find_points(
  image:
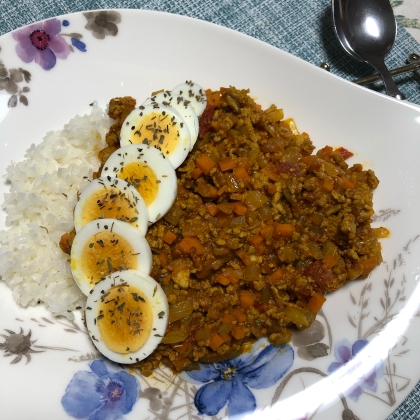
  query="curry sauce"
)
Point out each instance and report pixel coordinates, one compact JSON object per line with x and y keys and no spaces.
{"x":261,"y":229}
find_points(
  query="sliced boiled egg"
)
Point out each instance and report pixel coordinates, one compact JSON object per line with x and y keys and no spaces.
{"x":111,"y":198}
{"x":103,"y":246}
{"x":127,"y":316}
{"x":161,"y":127}
{"x":184,"y":108}
{"x":147,"y":169}
{"x":193,"y":93}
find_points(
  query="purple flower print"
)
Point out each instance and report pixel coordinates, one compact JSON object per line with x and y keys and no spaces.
{"x":41,"y":42}
{"x":344,"y":352}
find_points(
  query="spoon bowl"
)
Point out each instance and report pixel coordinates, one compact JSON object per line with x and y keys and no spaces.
{"x":366,"y":30}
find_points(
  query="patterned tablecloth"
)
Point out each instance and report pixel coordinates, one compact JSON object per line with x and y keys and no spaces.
{"x":300,"y":27}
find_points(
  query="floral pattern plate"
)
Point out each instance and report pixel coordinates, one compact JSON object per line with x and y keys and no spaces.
{"x":359,"y":358}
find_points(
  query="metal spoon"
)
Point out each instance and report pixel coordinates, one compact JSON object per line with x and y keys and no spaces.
{"x":366,"y":30}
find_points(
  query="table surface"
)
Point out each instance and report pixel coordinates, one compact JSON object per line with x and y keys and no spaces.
{"x":302,"y":28}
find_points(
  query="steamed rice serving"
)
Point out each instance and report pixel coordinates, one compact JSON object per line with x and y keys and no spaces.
{"x":39,"y":207}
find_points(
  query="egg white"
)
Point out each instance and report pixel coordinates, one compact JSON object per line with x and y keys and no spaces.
{"x":107,"y":185}
{"x":138,"y":242}
{"x":192,"y":92}
{"x":164,"y":171}
{"x":159,"y":305}
{"x":184,"y":108}
{"x":168,"y":133}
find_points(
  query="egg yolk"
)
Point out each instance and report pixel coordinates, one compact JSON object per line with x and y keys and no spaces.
{"x":158,"y":129}
{"x":105,"y":253}
{"x":124,"y":318}
{"x":143,"y":178}
{"x":111,"y":204}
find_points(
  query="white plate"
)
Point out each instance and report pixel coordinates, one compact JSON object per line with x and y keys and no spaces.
{"x":155,"y":50}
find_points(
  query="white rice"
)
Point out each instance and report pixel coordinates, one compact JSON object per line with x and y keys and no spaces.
{"x":39,"y":207}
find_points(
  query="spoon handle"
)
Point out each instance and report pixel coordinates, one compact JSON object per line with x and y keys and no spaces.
{"x":390,"y":86}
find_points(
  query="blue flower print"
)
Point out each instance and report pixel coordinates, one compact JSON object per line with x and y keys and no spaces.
{"x":100,"y":394}
{"x":81,"y":46}
{"x":229,"y":382}
{"x":344,"y":352}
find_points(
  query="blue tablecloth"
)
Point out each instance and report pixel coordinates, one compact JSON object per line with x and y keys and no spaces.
{"x":300,"y":27}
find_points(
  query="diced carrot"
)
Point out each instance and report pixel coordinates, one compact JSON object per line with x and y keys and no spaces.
{"x":267,"y":232}
{"x":255,"y":240}
{"x":325,"y":152}
{"x":275,"y":277}
{"x":227,"y":164}
{"x":230,"y":273}
{"x":283,"y":230}
{"x":344,"y":152}
{"x":221,"y":190}
{"x":169,"y":237}
{"x":182,"y":348}
{"x":239,"y":208}
{"x":180,"y":363}
{"x":316,"y":301}
{"x":220,"y":278}
{"x":240,"y":315}
{"x":271,"y":189}
{"x":225,"y":337}
{"x":260,"y":249}
{"x":196,"y":173}
{"x":238,"y":332}
{"x":163,"y":258}
{"x":205,"y":163}
{"x":328,"y":184}
{"x":246,"y":259}
{"x":188,"y":243}
{"x":228,"y":318}
{"x":236,"y":196}
{"x":215,"y":341}
{"x":246,"y":299}
{"x":212,"y":191}
{"x":348,"y":183}
{"x":211,"y":208}
{"x":213,"y":97}
{"x":330,"y":260}
{"x":167,"y":279}
{"x":247,"y":182}
{"x":306,"y":160}
{"x":240,"y":173}
{"x":233,"y":278}
{"x":270,"y":175}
